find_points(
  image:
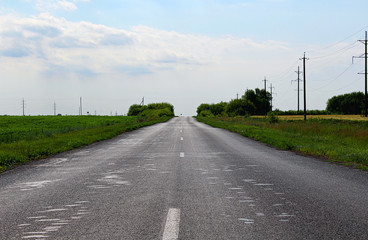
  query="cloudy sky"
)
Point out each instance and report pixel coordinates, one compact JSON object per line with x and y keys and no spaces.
{"x":186,"y":52}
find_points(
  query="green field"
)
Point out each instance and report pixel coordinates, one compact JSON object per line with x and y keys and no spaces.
{"x":26,"y":138}
{"x":340,"y":141}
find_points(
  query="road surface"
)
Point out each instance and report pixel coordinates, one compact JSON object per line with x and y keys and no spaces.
{"x":182,"y":180}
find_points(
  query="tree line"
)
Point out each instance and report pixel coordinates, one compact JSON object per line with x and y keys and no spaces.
{"x":258,"y":102}
{"x":253,"y":102}
{"x":152,"y":110}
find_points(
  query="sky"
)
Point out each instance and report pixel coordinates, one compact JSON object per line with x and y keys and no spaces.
{"x":113,"y":53}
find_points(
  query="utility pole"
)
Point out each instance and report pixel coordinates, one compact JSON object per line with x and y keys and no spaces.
{"x":80,"y":106}
{"x":305,"y":88}
{"x":365,"y":73}
{"x":298,"y":80}
{"x":23,"y":106}
{"x":271,"y":94}
{"x":237,"y":96}
{"x":265,"y":88}
{"x":54,"y":108}
{"x":265,"y":83}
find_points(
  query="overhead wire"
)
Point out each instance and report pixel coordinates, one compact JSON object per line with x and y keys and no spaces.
{"x":334,"y":78}
{"x":344,"y":49}
{"x":348,"y":85}
{"x":285,"y":72}
{"x":329,"y":46}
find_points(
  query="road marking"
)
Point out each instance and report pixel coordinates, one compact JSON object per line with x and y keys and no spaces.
{"x":181,"y":138}
{"x":181,"y":130}
{"x":181,"y":154}
{"x":171,"y":231}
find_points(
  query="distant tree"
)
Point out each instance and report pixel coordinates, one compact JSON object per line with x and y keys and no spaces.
{"x":203,"y":107}
{"x":239,"y":107}
{"x":152,"y":110}
{"x":206,"y":113}
{"x":261,"y":100}
{"x":135,"y":109}
{"x":218,"y":109}
{"x":350,"y":103}
{"x":253,"y":102}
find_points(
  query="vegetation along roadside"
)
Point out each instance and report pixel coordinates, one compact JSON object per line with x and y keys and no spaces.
{"x":27,"y":138}
{"x":340,"y":141}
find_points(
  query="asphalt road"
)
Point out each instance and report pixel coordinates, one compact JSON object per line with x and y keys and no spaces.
{"x":182,"y":180}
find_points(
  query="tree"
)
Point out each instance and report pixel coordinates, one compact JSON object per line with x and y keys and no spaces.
{"x":135,"y":109}
{"x":203,"y":107}
{"x":350,"y":103}
{"x":218,"y":109}
{"x":153,"y":109}
{"x":261,"y":100}
{"x":239,"y":107}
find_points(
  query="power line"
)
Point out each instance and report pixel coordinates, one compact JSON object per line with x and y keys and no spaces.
{"x":329,"y":46}
{"x":287,"y":71}
{"x":346,"y":48}
{"x":365,"y":73}
{"x":334,"y":78}
{"x":344,"y":87}
{"x":298,"y":81}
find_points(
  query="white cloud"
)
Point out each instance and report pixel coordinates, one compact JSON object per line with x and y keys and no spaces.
{"x":54,"y":57}
{"x":68,"y":6}
{"x":49,"y":5}
{"x":103,"y":49}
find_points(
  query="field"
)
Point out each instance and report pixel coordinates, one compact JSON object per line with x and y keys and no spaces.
{"x":26,"y":138}
{"x":335,"y":140}
{"x":339,"y":117}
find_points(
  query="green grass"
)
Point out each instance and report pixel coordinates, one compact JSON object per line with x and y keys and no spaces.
{"x":27,"y":138}
{"x":340,"y":141}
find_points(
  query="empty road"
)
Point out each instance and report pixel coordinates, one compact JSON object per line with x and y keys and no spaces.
{"x":182,"y":180}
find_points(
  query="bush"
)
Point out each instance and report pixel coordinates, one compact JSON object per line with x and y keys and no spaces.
{"x":272,"y":117}
{"x":206,"y":113}
{"x":152,"y":110}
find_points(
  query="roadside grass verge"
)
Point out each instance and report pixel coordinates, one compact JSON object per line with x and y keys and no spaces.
{"x":24,"y":139}
{"x":341,"y":141}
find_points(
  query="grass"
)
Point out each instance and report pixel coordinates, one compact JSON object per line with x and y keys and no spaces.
{"x":28,"y":138}
{"x":341,"y":141}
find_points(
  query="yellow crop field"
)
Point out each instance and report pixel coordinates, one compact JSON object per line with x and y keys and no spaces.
{"x":340,"y":117}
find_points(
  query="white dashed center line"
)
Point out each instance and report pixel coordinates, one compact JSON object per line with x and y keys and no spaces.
{"x":181,"y":138}
{"x":171,"y":231}
{"x":181,"y":154}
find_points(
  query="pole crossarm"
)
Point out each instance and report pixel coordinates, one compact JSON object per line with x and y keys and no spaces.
{"x":364,"y":55}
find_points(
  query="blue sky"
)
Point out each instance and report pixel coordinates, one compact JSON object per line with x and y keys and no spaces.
{"x":113,"y":53}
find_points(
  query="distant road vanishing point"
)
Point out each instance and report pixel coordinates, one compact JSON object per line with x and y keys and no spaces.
{"x":182,"y":180}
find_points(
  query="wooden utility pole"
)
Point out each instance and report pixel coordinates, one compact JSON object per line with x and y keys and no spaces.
{"x":305,"y":88}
